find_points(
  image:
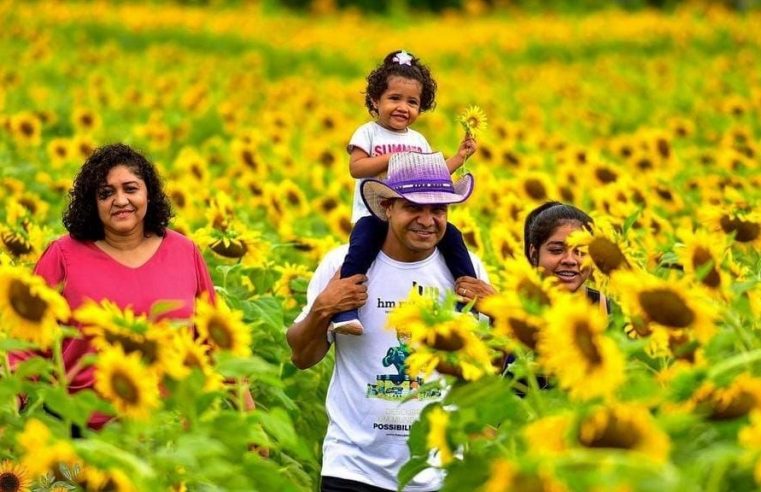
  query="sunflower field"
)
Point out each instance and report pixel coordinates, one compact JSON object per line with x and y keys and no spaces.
{"x":647,"y":119}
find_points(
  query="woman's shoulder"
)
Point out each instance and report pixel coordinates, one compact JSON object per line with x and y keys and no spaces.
{"x":176,"y":240}
{"x":67,"y":243}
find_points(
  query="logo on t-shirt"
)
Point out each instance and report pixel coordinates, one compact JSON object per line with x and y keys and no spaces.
{"x":400,"y":385}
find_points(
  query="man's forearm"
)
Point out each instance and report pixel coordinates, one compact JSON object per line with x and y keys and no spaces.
{"x":308,"y":339}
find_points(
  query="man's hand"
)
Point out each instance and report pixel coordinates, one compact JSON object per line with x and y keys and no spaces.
{"x":308,"y":337}
{"x":342,"y":294}
{"x":469,"y":288}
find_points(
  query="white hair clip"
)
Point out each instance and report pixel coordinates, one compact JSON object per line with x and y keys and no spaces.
{"x":403,"y":58}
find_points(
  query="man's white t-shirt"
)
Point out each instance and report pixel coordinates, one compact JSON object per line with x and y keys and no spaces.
{"x":368,"y":427}
{"x":376,"y":140}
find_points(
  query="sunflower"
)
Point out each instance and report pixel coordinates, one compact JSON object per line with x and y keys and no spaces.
{"x":506,"y":476}
{"x":701,"y":256}
{"x":295,"y":199}
{"x":438,"y":420}
{"x":602,"y":249}
{"x":473,"y":120}
{"x":85,"y":120}
{"x":127,"y":383}
{"x":284,"y":285}
{"x":191,"y":163}
{"x":574,"y":348}
{"x":468,"y":226}
{"x":749,"y":437}
{"x":548,"y":436}
{"x":13,"y":477}
{"x":504,"y":244}
{"x":222,"y":327}
{"x":660,"y":304}
{"x":511,"y":319}
{"x":536,"y":292}
{"x":440,"y":337}
{"x":534,"y":186}
{"x":42,"y":452}
{"x":249,"y":160}
{"x":30,"y":309}
{"x":83,"y":145}
{"x":195,"y":356}
{"x":108,"y":326}
{"x":339,"y":222}
{"x":742,"y":223}
{"x":627,"y":427}
{"x":60,"y":152}
{"x":737,"y":400}
{"x":26,"y":128}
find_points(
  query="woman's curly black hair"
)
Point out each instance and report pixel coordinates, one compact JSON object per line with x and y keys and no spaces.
{"x":377,"y":81}
{"x":543,"y":220}
{"x":81,"y":215}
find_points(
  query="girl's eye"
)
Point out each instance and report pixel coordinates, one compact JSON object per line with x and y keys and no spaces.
{"x":103,"y":194}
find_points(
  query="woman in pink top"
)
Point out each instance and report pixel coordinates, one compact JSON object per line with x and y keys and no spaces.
{"x":119,"y":248}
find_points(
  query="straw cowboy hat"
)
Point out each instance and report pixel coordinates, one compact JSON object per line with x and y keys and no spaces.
{"x":420,"y":178}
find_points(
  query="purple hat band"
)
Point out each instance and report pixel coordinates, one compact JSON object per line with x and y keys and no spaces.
{"x":417,"y":185}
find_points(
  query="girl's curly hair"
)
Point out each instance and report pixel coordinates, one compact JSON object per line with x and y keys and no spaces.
{"x":377,"y":81}
{"x":81,"y":215}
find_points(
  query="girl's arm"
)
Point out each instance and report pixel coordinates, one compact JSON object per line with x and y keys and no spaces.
{"x":467,"y":148}
{"x":361,"y":165}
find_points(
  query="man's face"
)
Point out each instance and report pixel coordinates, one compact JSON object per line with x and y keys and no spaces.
{"x":413,"y":230}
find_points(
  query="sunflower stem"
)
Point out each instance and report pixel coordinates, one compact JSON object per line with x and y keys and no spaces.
{"x":241,"y":395}
{"x":745,"y":358}
{"x":61,"y":369}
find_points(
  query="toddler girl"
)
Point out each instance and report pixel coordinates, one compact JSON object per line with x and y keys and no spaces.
{"x":398,"y":90}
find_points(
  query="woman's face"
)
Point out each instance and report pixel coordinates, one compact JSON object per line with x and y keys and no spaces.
{"x":556,"y":258}
{"x":122,"y":201}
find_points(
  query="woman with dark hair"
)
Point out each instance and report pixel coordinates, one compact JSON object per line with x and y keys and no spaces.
{"x":120,"y":249}
{"x":544,"y":241}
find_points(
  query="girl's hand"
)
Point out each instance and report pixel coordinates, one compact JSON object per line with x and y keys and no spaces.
{"x":467,"y":148}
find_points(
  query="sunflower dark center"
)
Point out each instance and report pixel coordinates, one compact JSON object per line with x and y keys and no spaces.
{"x":148,"y":349}
{"x":293,"y":198}
{"x":345,"y":225}
{"x":470,"y":238}
{"x":585,"y":342}
{"x":9,"y":482}
{"x":125,"y":388}
{"x":506,"y":251}
{"x":329,"y":204}
{"x":16,"y":244}
{"x":745,"y":231}
{"x":248,"y":159}
{"x":666,"y":308}
{"x":530,"y":290}
{"x":25,"y":303}
{"x":27,"y":129}
{"x":524,"y":332}
{"x":605,"y":175}
{"x":234,"y":249}
{"x":535,"y":189}
{"x":449,"y":343}
{"x":616,"y":434}
{"x":219,"y":332}
{"x":700,"y":257}
{"x":606,"y":255}
{"x":327,"y":159}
